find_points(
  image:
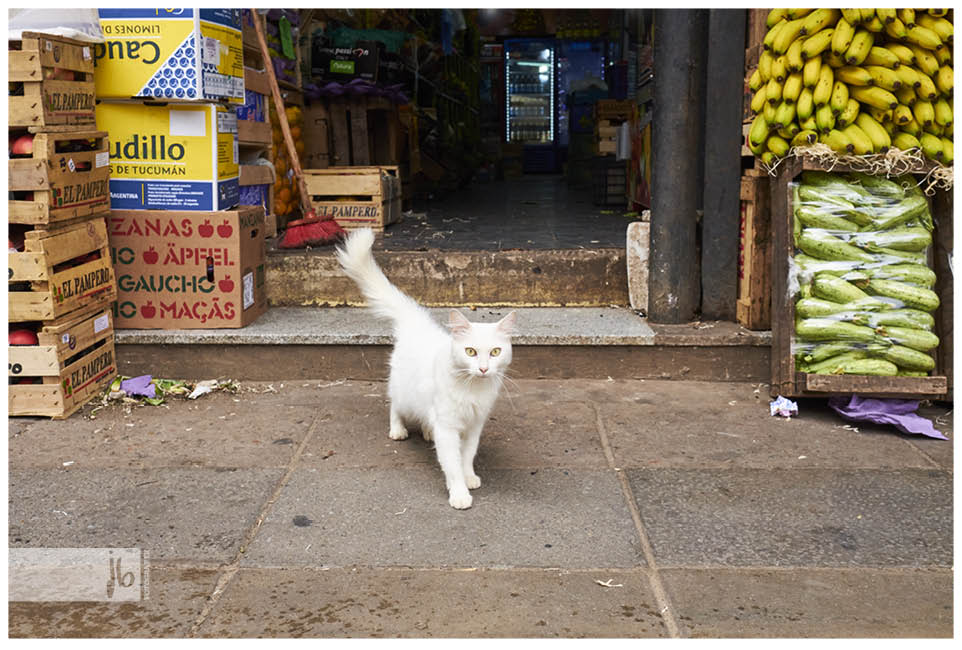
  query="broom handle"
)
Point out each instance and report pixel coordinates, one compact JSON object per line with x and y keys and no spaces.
{"x":306,"y":206}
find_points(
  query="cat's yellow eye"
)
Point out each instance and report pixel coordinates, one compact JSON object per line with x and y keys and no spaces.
{"x":471,"y":352}
{"x":495,"y":352}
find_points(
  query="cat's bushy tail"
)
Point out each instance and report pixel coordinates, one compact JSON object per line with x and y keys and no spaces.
{"x":384,"y":299}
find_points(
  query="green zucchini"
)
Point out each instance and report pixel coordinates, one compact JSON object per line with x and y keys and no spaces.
{"x":909,"y":295}
{"x":829,"y":365}
{"x":879,"y":186}
{"x":920,"y":340}
{"x":867,"y":367}
{"x":826,"y":329}
{"x":902,"y":239}
{"x":899,"y":213}
{"x":917,"y":274}
{"x":914,"y":318}
{"x":908,"y":359}
{"x":835,"y":289}
{"x":825,"y":246}
{"x":892,"y":256}
{"x":825,"y":351}
{"x":815,"y":218}
{"x":817,"y":197}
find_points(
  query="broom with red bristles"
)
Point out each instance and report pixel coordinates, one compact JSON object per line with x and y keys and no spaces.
{"x":312,"y":229}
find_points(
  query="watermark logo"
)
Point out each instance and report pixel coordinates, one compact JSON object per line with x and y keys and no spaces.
{"x":78,"y":574}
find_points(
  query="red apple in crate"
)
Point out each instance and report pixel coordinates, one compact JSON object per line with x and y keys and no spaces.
{"x":226,"y":285}
{"x":224,"y":230}
{"x":151,"y":256}
{"x":205,"y":229}
{"x":61,"y":74}
{"x":148,"y":310}
{"x":22,"y":146}
{"x":22,"y":336}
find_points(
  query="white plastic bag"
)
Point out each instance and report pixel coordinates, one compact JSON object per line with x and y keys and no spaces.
{"x":80,"y":24}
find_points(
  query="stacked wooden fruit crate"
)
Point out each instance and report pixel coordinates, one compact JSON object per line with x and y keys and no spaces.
{"x":60,"y":275}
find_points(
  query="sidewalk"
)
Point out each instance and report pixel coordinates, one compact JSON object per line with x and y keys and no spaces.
{"x":608,"y":509}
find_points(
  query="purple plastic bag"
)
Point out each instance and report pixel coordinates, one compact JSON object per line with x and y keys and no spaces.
{"x":899,"y":412}
{"x":139,"y":386}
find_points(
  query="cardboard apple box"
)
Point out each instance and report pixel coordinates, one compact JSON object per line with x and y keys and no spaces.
{"x":188,"y":269}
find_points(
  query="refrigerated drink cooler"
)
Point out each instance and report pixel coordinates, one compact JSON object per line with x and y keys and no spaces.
{"x":531,"y":117}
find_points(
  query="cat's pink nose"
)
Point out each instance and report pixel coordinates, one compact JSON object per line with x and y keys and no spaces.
{"x":483,"y":370}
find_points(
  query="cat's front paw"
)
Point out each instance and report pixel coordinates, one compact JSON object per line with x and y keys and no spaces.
{"x":398,"y":433}
{"x":473,"y":481}
{"x":460,"y":500}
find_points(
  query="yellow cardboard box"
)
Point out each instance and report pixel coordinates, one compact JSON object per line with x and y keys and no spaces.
{"x":171,"y":156}
{"x":173,"y":54}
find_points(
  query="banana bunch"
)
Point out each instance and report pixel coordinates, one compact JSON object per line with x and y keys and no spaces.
{"x":858,"y":80}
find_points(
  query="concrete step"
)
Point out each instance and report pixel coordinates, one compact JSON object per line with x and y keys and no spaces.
{"x":574,"y":277}
{"x":552,"y":342}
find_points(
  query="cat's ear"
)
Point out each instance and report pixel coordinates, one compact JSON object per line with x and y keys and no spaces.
{"x":457,"y":323}
{"x":506,"y":324}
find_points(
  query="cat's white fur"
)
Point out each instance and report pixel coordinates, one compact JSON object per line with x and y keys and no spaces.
{"x":435,"y":384}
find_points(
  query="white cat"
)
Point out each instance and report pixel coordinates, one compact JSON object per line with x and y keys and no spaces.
{"x":444,"y":383}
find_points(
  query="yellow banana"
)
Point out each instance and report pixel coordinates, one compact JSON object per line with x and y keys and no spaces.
{"x":944,"y":80}
{"x":909,"y":76}
{"x":768,"y":112}
{"x":855,"y":75}
{"x":881,"y":140}
{"x":837,"y":141}
{"x":884,"y":77}
{"x":758,"y":100}
{"x":804,"y":105}
{"x":832,"y":60}
{"x":755,"y":81}
{"x":943,"y":112}
{"x":798,"y":13}
{"x":906,"y":95}
{"x":902,"y":114}
{"x":777,"y":145}
{"x":940,"y":26}
{"x":773,"y":92}
{"x":907,"y":16}
{"x":947,"y":131}
{"x":784,"y":115}
{"x":874,"y":96}
{"x":789,"y":130}
{"x":788,"y":33}
{"x":848,"y":115}
{"x":883,"y":57}
{"x":932,"y":146}
{"x":842,"y":36}
{"x":867,"y":14}
{"x":816,"y":44}
{"x":924,"y":113}
{"x":938,"y":12}
{"x":804,"y":138}
{"x":775,"y":16}
{"x":779,"y":71}
{"x":875,"y":25}
{"x":810,"y":71}
{"x":852,"y":16}
{"x":758,"y":134}
{"x":793,"y":58}
{"x":912,"y":127}
{"x":823,"y":87}
{"x":890,"y":128}
{"x":905,"y":55}
{"x":839,"y":98}
{"x":881,"y":116}
{"x":820,"y":19}
{"x":934,"y":129}
{"x":809,"y":124}
{"x":825,"y":119}
{"x":927,"y":88}
{"x":861,"y":45}
{"x":887,"y":15}
{"x":765,"y":61}
{"x":896,"y":29}
{"x":944,"y":55}
{"x":769,"y":159}
{"x":905,"y":141}
{"x":947,"y":151}
{"x":861,"y":143}
{"x":792,"y":88}
{"x":925,"y":60}
{"x":924,"y":37}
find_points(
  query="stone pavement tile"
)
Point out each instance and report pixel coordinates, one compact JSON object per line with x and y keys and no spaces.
{"x":525,"y":434}
{"x":216,"y":430}
{"x":810,"y":518}
{"x":201,"y":515}
{"x":828,"y":603}
{"x":366,"y":602}
{"x":670,"y":425}
{"x":401,"y":517}
{"x":939,"y":451}
{"x":175,"y":600}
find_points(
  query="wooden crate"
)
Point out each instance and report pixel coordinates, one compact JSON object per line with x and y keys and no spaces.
{"x":51,"y":278}
{"x":611,"y":109}
{"x":358,"y":197}
{"x":65,"y":185}
{"x":753,"y":309}
{"x":606,"y":136}
{"x":754,"y":35}
{"x":253,"y":132}
{"x":47,"y":101}
{"x":785,"y":380}
{"x":74,"y":360}
{"x":365,"y":131}
{"x":261,"y":175}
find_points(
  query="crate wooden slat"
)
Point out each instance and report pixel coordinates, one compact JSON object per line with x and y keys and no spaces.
{"x":56,"y":292}
{"x":357,"y":196}
{"x":253,"y":132}
{"x":65,"y":185}
{"x":785,"y":380}
{"x":753,"y":308}
{"x":46,"y":101}
{"x":75,"y":359}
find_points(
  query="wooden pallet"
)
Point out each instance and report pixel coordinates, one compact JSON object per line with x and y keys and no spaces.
{"x":365,"y":130}
{"x":65,"y":184}
{"x":73,"y":361}
{"x":753,"y":307}
{"x":785,"y":380}
{"x":46,"y":101}
{"x":51,"y":278}
{"x":358,"y":197}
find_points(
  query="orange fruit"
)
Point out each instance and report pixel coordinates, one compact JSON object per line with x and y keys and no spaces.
{"x":295,"y":132}
{"x":284,"y":195}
